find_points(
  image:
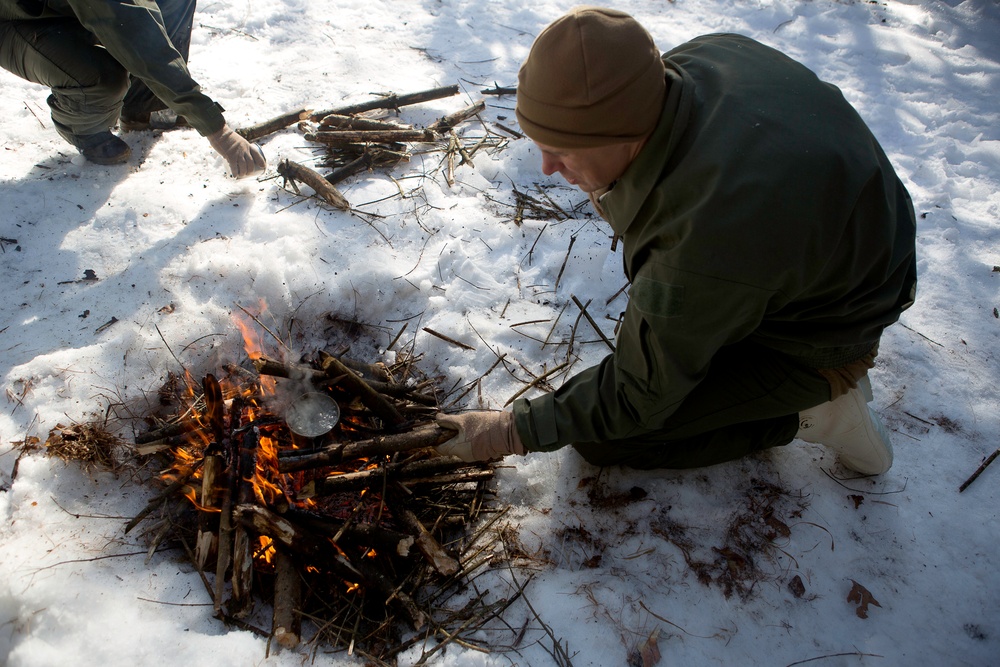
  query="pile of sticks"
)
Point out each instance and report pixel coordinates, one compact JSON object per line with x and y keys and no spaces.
{"x":356,"y":142}
{"x":360,"y":531}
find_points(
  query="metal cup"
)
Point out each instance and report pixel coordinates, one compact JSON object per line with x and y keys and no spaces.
{"x":312,"y":415}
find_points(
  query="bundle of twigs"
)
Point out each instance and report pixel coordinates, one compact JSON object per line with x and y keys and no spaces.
{"x":363,"y":532}
{"x":354,"y":141}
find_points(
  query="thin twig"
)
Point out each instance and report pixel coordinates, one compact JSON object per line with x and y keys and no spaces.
{"x":534,"y":383}
{"x":263,"y":326}
{"x":590,"y":319}
{"x":836,"y":655}
{"x":562,"y":268}
{"x":979,"y":470}
{"x":183,"y":368}
{"x":446,"y":339}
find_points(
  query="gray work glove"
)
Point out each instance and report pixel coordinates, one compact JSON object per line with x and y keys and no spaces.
{"x":482,"y":435}
{"x":245,"y":159}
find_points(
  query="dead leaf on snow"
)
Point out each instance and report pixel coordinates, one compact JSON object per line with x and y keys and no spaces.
{"x":860,"y":596}
{"x":648,"y":654}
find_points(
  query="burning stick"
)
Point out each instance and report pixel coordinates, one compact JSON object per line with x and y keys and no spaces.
{"x":242,"y":550}
{"x":207,"y":540}
{"x":401,"y":472}
{"x":280,"y":529}
{"x":430,"y":435}
{"x":384,"y":539}
{"x":293,"y":171}
{"x":320,"y":378}
{"x":371,"y":398}
{"x":290,"y":535}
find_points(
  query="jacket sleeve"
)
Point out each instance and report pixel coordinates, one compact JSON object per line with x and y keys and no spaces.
{"x":132,"y":31}
{"x":674,"y":324}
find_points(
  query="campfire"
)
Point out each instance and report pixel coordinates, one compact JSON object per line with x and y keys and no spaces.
{"x":311,"y":490}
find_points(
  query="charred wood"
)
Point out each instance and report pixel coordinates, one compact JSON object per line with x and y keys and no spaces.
{"x":242,"y":579}
{"x":374,"y":401}
{"x":393,"y":472}
{"x":430,"y":435}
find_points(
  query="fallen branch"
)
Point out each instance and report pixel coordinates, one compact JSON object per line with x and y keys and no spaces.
{"x":425,"y":542}
{"x":348,"y":137}
{"x":499,"y":90}
{"x":446,"y":339}
{"x":590,"y":319}
{"x":451,"y":120}
{"x":538,"y":380}
{"x":255,"y":132}
{"x":340,"y":122}
{"x":371,"y":158}
{"x":979,"y":470}
{"x":293,"y":171}
{"x":390,"y":101}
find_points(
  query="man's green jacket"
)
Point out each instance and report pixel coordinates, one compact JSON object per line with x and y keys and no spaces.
{"x":761,"y":209}
{"x":132,"y":32}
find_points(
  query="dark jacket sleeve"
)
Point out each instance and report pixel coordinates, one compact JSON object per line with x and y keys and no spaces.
{"x":132,"y":31}
{"x":674,"y":324}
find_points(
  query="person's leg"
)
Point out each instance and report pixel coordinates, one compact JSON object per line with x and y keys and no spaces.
{"x":178,"y":17}
{"x":87,"y":84}
{"x":749,"y":401}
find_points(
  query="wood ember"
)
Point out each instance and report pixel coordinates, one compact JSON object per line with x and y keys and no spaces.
{"x":334,"y":538}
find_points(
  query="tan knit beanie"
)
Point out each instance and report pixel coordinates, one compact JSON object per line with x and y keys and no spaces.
{"x":593,"y":78}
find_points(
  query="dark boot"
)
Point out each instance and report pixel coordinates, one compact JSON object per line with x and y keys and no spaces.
{"x":157,"y":120}
{"x":102,"y":148}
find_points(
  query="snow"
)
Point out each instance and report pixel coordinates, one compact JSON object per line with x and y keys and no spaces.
{"x":178,"y":247}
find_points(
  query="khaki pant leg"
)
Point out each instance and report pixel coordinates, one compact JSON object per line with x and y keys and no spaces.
{"x":87,"y":84}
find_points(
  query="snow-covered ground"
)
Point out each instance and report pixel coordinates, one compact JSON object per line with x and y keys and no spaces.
{"x":177,"y":247}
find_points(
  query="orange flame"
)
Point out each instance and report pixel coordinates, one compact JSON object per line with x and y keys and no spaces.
{"x":254,"y":347}
{"x":266,"y":550}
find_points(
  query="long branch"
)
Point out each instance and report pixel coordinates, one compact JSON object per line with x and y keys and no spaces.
{"x":391,"y":101}
{"x":430,"y":435}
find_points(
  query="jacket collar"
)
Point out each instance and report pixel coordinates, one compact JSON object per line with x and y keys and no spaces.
{"x":622,"y":202}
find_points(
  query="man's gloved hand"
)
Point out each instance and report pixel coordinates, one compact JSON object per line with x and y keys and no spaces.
{"x":245,"y":159}
{"x":482,"y":435}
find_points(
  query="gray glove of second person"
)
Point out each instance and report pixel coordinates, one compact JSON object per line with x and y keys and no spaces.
{"x":482,"y":435}
{"x":244,"y":158}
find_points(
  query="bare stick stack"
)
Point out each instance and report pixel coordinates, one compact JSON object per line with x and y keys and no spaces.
{"x":355,"y":143}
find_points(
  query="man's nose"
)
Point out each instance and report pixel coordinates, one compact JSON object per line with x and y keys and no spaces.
{"x":550,"y":165}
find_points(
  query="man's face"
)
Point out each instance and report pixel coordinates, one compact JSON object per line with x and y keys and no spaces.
{"x":590,"y":169}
